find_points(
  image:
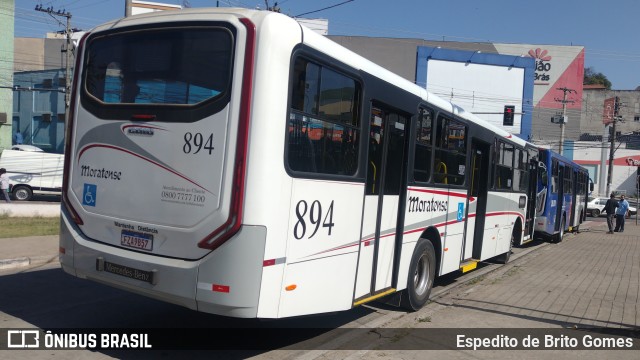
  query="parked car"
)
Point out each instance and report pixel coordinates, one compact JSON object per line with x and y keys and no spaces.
{"x":26,"y":148}
{"x":595,"y":207}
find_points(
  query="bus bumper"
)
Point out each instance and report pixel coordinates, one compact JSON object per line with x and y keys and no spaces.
{"x":224,"y":282}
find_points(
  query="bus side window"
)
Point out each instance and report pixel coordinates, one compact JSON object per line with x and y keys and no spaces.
{"x":323,"y":120}
{"x":422,"y":158}
{"x":450,"y":152}
{"x":504,"y":166}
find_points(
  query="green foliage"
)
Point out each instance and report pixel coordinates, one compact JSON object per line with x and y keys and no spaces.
{"x":591,"y":77}
{"x":13,"y":227}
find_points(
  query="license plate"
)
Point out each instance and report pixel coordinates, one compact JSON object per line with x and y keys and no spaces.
{"x":136,"y":240}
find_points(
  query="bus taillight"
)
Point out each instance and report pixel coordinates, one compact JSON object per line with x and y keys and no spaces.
{"x":233,"y":223}
{"x":68,"y":138}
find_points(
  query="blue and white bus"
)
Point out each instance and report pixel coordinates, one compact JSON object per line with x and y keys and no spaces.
{"x":562,"y":195}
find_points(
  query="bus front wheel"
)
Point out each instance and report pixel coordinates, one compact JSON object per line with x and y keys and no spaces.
{"x":22,"y":193}
{"x":421,"y":274}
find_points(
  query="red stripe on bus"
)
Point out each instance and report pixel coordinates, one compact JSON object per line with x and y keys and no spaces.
{"x":141,"y":157}
{"x":367,"y":241}
{"x":440,"y":192}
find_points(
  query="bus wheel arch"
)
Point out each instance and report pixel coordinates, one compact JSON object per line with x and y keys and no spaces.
{"x":433,"y":235}
{"x":516,"y":239}
{"x":516,"y":234}
{"x":420,"y":277}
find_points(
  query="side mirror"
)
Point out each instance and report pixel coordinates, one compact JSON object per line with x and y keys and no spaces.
{"x":591,"y":186}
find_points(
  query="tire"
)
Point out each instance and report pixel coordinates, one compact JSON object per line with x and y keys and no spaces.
{"x":595,"y":212}
{"x":22,"y":193}
{"x":422,"y":270}
{"x":560,"y":235}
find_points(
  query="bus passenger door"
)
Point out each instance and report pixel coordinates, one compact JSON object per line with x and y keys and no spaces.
{"x":532,"y":197}
{"x":574,"y":197}
{"x":560,"y":197}
{"x":384,"y":202}
{"x":477,"y":206}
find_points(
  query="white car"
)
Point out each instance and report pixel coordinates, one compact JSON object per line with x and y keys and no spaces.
{"x":595,"y":207}
{"x":26,"y":148}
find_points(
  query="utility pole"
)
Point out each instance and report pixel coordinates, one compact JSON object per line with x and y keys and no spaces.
{"x":564,"y":102}
{"x":68,"y":50}
{"x":273,"y":8}
{"x":612,"y":137}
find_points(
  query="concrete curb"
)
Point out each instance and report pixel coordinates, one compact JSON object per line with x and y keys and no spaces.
{"x":6,"y":264}
{"x":472,"y":275}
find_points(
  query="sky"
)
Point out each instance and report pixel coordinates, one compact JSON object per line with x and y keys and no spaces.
{"x":608,"y":29}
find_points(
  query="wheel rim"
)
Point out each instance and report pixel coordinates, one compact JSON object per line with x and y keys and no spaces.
{"x":21,"y":194}
{"x":421,"y":276}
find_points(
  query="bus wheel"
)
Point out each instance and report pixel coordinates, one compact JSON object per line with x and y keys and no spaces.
{"x":22,"y":193}
{"x":421,"y":274}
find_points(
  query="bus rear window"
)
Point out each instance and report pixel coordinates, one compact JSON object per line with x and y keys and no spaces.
{"x":178,"y":66}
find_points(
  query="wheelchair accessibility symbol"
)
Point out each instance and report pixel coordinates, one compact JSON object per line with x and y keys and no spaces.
{"x":460,"y":211}
{"x":89,"y":194}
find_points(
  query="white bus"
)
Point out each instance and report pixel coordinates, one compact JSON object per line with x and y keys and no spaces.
{"x":234,"y":162}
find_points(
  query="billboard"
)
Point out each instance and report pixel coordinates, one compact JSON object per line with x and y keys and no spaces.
{"x":482,"y":83}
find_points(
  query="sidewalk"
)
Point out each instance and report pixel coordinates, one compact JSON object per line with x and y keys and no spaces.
{"x":32,"y":250}
{"x":590,"y":279}
{"x":19,"y":209}
{"x":28,"y":251}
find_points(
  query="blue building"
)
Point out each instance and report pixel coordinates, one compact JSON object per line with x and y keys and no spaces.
{"x":39,"y":109}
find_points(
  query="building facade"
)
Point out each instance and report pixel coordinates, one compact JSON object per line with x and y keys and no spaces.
{"x":557,"y":70}
{"x":6,"y":73}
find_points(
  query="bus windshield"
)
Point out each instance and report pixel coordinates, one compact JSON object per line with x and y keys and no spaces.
{"x":169,"y":66}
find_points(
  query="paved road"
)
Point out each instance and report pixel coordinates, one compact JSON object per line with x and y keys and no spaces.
{"x":590,"y":279}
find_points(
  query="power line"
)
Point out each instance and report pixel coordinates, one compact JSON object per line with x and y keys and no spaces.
{"x":328,"y":7}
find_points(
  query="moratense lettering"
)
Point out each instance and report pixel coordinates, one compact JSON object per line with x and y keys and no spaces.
{"x":87,"y":171}
{"x":418,"y":205}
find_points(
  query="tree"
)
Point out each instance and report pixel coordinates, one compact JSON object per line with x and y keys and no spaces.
{"x":591,"y":77}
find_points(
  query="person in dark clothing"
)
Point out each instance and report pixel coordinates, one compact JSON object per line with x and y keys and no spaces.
{"x":610,"y":208}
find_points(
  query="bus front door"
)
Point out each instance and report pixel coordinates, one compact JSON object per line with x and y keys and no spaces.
{"x":384,"y":200}
{"x":477,"y":207}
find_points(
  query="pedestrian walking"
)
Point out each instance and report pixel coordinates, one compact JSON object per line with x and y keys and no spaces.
{"x":4,"y":184}
{"x":621,"y":213}
{"x":610,"y":208}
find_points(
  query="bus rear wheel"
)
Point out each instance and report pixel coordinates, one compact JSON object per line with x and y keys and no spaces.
{"x":421,"y":274}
